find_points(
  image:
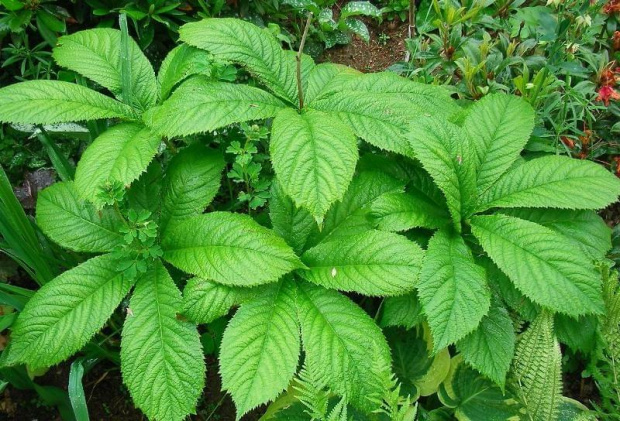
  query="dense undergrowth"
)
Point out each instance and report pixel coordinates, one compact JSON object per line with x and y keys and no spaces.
{"x":350,"y":246}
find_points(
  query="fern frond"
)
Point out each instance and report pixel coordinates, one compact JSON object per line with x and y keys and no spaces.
{"x":311,"y":391}
{"x":537,"y":369}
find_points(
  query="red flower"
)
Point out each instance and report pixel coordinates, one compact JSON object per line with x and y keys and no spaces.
{"x":607,"y":93}
{"x":612,"y":6}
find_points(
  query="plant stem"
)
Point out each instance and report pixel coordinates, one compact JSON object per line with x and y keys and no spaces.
{"x":411,"y":27}
{"x":298,"y":57}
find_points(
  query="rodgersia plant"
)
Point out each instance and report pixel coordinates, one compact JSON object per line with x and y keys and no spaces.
{"x":141,"y":215}
{"x":494,"y":216}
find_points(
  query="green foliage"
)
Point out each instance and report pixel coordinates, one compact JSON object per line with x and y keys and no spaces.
{"x":537,"y":370}
{"x":453,"y":234}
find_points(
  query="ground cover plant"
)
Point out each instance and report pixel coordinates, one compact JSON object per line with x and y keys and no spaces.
{"x":408,"y":261}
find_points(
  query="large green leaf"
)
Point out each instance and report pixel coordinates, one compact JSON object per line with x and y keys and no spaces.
{"x":403,"y":310}
{"x":75,"y":224}
{"x":145,"y":192}
{"x":386,"y":87}
{"x":192,"y":180}
{"x":47,"y":102}
{"x":445,"y":152}
{"x":537,"y":370}
{"x":499,"y":126}
{"x":228,"y":248}
{"x":181,"y":63}
{"x":161,"y":356}
{"x":201,"y":105}
{"x":290,"y":222}
{"x":205,"y":301}
{"x":541,"y":263}
{"x":553,"y":182}
{"x":96,"y":54}
{"x":582,"y":226}
{"x":326,"y":77}
{"x":350,"y":216}
{"x":380,"y":123}
{"x":250,"y":46}
{"x":260,"y":348}
{"x":314,"y":157}
{"x":341,"y":342}
{"x":475,"y":398}
{"x":119,"y":155}
{"x":490,"y":348}
{"x":403,"y":211}
{"x":452,"y":289}
{"x":66,"y":312}
{"x":372,"y":263}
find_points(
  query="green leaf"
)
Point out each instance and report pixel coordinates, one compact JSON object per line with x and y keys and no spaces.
{"x":372,"y":263}
{"x":404,"y":211}
{"x":447,"y":156}
{"x":324,"y":78}
{"x":192,"y":180}
{"x":201,"y":105}
{"x":314,"y":157}
{"x":180,"y":63}
{"x":553,"y":182}
{"x":341,"y":342}
{"x":96,"y":54}
{"x":250,"y":46}
{"x":403,"y":310}
{"x":205,"y":301}
{"x":228,"y":248}
{"x":260,"y":348}
{"x":452,"y":289}
{"x":145,"y":192}
{"x":584,"y":227}
{"x":120,"y":154}
{"x":350,"y":216}
{"x":537,"y":370}
{"x":48,"y":102}
{"x":499,"y":126}
{"x":75,"y":224}
{"x":380,"y":123}
{"x":475,"y":398}
{"x":161,"y":356}
{"x":580,"y":334}
{"x":357,"y":8}
{"x":66,"y":312}
{"x":541,"y":264}
{"x":490,"y":348}
{"x":418,"y":372}
{"x":291,"y":223}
